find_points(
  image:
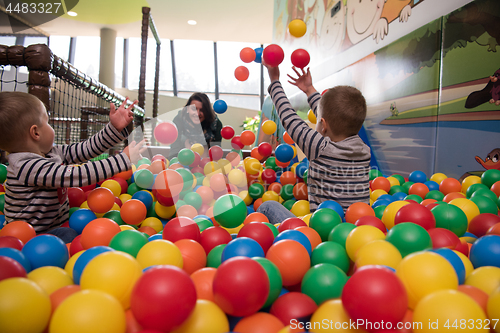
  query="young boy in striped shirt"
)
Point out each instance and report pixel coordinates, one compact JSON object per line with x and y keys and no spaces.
{"x":39,"y":172}
{"x":339,"y":161}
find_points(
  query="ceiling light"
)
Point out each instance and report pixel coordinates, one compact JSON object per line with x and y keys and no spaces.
{"x":72,"y":13}
{"x":192,"y":22}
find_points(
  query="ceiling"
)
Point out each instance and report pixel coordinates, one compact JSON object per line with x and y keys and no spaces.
{"x":248,"y":21}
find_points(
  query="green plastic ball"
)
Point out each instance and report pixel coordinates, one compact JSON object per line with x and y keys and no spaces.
{"x":275,"y":280}
{"x":144,"y":160}
{"x":408,"y":238}
{"x":414,"y":197}
{"x":330,"y":253}
{"x":187,"y":177}
{"x":273,"y":228}
{"x":214,"y":258}
{"x":490,"y":177}
{"x":271,"y":163}
{"x":340,"y":232}
{"x":115,"y":216}
{"x":374,"y":173}
{"x":143,"y":178}
{"x":133,"y":188}
{"x":400,"y":178}
{"x":186,"y":156}
{"x":323,"y":282}
{"x":396,"y":189}
{"x":287,"y":192}
{"x":203,"y":223}
{"x":256,"y":190}
{"x":199,"y":178}
{"x":406,"y":186}
{"x":129,"y":241}
{"x":485,"y":193}
{"x":379,"y":211}
{"x":230,"y":211}
{"x":72,"y":210}
{"x":435,"y":194}
{"x":151,"y":211}
{"x":323,"y":221}
{"x":473,"y":188}
{"x":305,"y":176}
{"x":450,"y":217}
{"x":485,"y":204}
{"x":289,"y":203}
{"x":3,"y":173}
{"x":193,"y":199}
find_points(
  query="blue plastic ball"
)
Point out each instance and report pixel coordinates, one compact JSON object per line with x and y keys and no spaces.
{"x":79,"y":219}
{"x":258,"y":55}
{"x":417,"y":176}
{"x":300,"y":169}
{"x":455,"y":261}
{"x":386,"y":197}
{"x":155,"y":237}
{"x":46,"y":250}
{"x":333,"y":205}
{"x":17,"y":256}
{"x":486,"y":251}
{"x":381,"y":202}
{"x":296,"y":236}
{"x":145,"y":197}
{"x":242,"y":246}
{"x":432,"y":185}
{"x":85,"y":258}
{"x":220,"y":106}
{"x":399,"y":196}
{"x":284,"y":153}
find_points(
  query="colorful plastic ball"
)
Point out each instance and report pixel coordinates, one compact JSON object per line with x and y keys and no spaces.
{"x":143,"y":178}
{"x":473,"y":188}
{"x":424,"y":273}
{"x":409,"y":238}
{"x":381,"y":183}
{"x":220,"y":107}
{"x":293,"y":306}
{"x":128,"y":241}
{"x":203,"y":281}
{"x":240,"y":286}
{"x":360,"y":236}
{"x":417,"y":176}
{"x":448,"y":306}
{"x":450,"y":185}
{"x":493,"y":307}
{"x":84,"y":258}
{"x":485,"y":204}
{"x":297,"y":28}
{"x":3,"y":173}
{"x":50,"y":278}
{"x":296,"y":236}
{"x":258,"y":232}
{"x":193,"y":255}
{"x":378,"y":252}
{"x":181,"y":228}
{"x":165,"y":132}
{"x":79,"y":219}
{"x":230,"y":211}
{"x":357,"y":210}
{"x":241,"y":73}
{"x":443,"y":238}
{"x":291,"y":223}
{"x":419,"y":189}
{"x":300,"y":208}
{"x":18,"y":256}
{"x":159,"y":252}
{"x":227,"y":132}
{"x":12,"y":242}
{"x":450,"y":217}
{"x":269,"y":127}
{"x":291,"y":258}
{"x":323,"y":282}
{"x":417,"y":214}
{"x":330,"y":253}
{"x":479,"y":296}
{"x":435,"y":194}
{"x":169,"y":183}
{"x":213,"y":236}
{"x":480,"y":224}
{"x":486,"y":251}
{"x":288,"y":177}
{"x":340,"y":232}
{"x":133,"y":212}
{"x":485,"y":278}
{"x":455,"y":261}
{"x":206,"y":317}
{"x":284,"y":153}
{"x":236,"y":143}
{"x":495,"y":188}
{"x":332,"y":204}
{"x":467,"y":206}
{"x":19,"y":229}
{"x":163,"y":298}
{"x":390,"y":213}
{"x":323,"y":220}
{"x":489,"y":177}
{"x":10,"y":268}
{"x":19,"y":297}
{"x":247,"y":54}
{"x":259,"y":322}
{"x":99,"y":232}
{"x":247,"y":138}
{"x":275,"y":280}
{"x":244,"y":247}
{"x":186,"y":156}
{"x":273,"y":55}
{"x":300,"y":58}
{"x":46,"y":250}
{"x":215,"y":255}
{"x":76,"y":196}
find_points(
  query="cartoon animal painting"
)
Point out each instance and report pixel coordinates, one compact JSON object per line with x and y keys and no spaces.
{"x":492,"y":161}
{"x":490,"y":93}
{"x":333,"y":27}
{"x":394,"y":109}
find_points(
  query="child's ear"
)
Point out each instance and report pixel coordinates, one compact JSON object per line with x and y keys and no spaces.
{"x":34,"y":133}
{"x":324,"y":126}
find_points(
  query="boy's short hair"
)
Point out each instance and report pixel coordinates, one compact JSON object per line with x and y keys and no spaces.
{"x":344,"y":109}
{"x":18,"y":112}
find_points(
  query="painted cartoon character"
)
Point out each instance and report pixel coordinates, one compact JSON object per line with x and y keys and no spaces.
{"x":333,"y":27}
{"x":394,"y":9}
{"x":364,"y":19}
{"x":394,"y":109}
{"x":492,"y":161}
{"x":314,"y":13}
{"x":490,"y":93}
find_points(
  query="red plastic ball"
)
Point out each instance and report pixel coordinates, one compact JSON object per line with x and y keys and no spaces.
{"x":291,"y":223}
{"x":373,"y":221}
{"x":181,"y":228}
{"x":133,"y":212}
{"x":101,"y":200}
{"x":75,"y":246}
{"x":215,"y":153}
{"x":480,"y":224}
{"x":375,"y":294}
{"x":99,"y":232}
{"x":10,"y":268}
{"x":293,"y":305}
{"x":76,"y":196}
{"x":417,"y":214}
{"x":259,"y":232}
{"x":265,"y":149}
{"x":273,"y":55}
{"x":213,"y":236}
{"x":163,"y":298}
{"x":240,"y":286}
{"x":12,"y":242}
{"x":236,"y":142}
{"x":123,"y":184}
{"x":165,"y":201}
{"x":166,"y":132}
{"x":268,"y":176}
{"x":443,"y":238}
{"x":241,"y":73}
{"x":247,"y":54}
{"x":300,"y":58}
{"x":227,"y":132}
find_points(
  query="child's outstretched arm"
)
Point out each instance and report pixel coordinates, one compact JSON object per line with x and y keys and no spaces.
{"x":134,"y":151}
{"x":121,"y":117}
{"x":303,"y":81}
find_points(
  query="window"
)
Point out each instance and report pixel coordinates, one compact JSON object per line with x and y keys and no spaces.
{"x":118,"y":62}
{"x":194,"y":65}
{"x":59,"y":45}
{"x":35,"y":40}
{"x":87,"y":57}
{"x":7,"y":40}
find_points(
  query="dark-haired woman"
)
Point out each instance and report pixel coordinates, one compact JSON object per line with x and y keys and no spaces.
{"x":196,"y":123}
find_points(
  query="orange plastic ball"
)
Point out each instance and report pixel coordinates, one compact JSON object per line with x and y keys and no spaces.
{"x":247,"y":54}
{"x":218,"y":182}
{"x":287,"y":138}
{"x":257,"y":203}
{"x":58,"y":296}
{"x":276,"y":187}
{"x":187,"y":211}
{"x":381,"y":183}
{"x":453,"y":195}
{"x":169,"y":183}
{"x":203,"y":281}
{"x":147,"y":230}
{"x":100,"y":200}
{"x":99,"y":232}
{"x":193,"y":255}
{"x":288,"y":177}
{"x":255,"y":153}
{"x":357,"y":210}
{"x":206,"y":194}
{"x":261,"y":322}
{"x":300,"y":191}
{"x":292,"y":260}
{"x":419,"y":189}
{"x":133,"y":212}
{"x":20,"y":229}
{"x":241,"y":73}
{"x":449,"y":185}
{"x":282,"y":164}
{"x":311,"y":234}
{"x":125,"y":174}
{"x":247,"y":138}
{"x":494,"y":230}
{"x":496,"y":188}
{"x":255,"y":217}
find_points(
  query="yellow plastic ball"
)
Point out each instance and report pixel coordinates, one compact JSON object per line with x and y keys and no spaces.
{"x":112,"y":185}
{"x":126,"y":227}
{"x":85,"y":205}
{"x":234,"y":230}
{"x":252,"y":165}
{"x":390,"y":213}
{"x":449,"y":307}
{"x":468,"y":181}
{"x":493,"y":308}
{"x":300,"y":208}
{"x":211,"y":168}
{"x":246,"y":197}
{"x":89,"y":311}
{"x":393,"y":181}
{"x":292,"y":168}
{"x":424,"y":273}
{"x":206,"y":182}
{"x":70,"y":264}
{"x":153,"y":222}
{"x":359,"y":237}
{"x":269,"y":127}
{"x":378,"y":252}
{"x":311,"y":117}
{"x":486,"y":278}
{"x":306,"y":218}
{"x":297,"y":28}
{"x":198,"y":148}
{"x":270,"y":196}
{"x":113,"y":272}
{"x":159,"y":252}
{"x":50,"y":278}
{"x":438,"y":177}
{"x":237,"y":177}
{"x":224,"y":165}
{"x":376,"y":193}
{"x":332,"y":311}
{"x":124,"y":197}
{"x":206,"y":317}
{"x":165,"y":212}
{"x":294,"y":150}
{"x":469,"y":268}
{"x":467,"y":206}
{"x":24,"y":306}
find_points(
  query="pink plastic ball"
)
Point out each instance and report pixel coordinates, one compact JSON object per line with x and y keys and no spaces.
{"x":166,"y":132}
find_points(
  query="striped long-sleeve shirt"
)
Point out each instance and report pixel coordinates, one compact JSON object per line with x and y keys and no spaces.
{"x":337,"y":170}
{"x":35,"y":189}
